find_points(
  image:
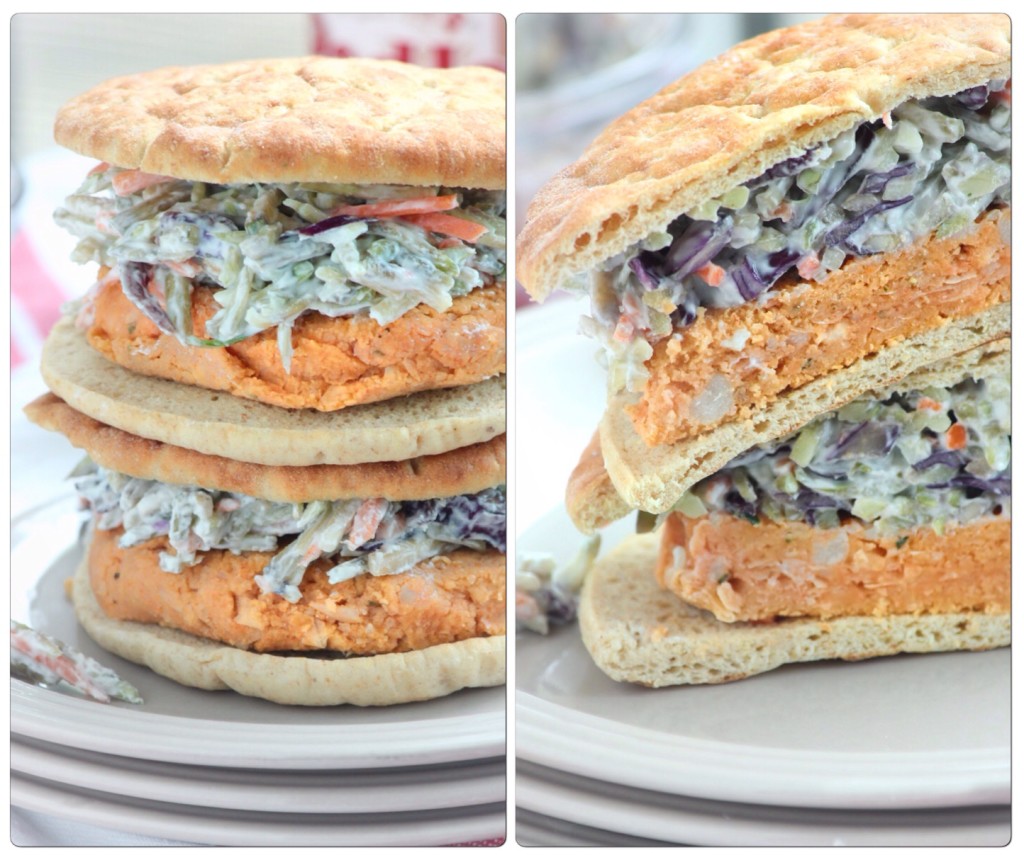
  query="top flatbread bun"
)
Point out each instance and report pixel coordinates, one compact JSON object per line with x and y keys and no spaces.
{"x":764,"y":101}
{"x":305,"y":119}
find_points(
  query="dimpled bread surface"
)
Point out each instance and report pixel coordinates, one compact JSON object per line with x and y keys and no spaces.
{"x":308,"y":119}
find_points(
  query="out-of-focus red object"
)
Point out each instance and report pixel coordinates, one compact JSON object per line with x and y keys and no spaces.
{"x":432,"y":39}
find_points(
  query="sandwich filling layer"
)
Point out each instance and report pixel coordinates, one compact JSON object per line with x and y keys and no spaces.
{"x":740,"y":572}
{"x":930,"y":167}
{"x":357,"y":537}
{"x":335,"y":362}
{"x":931,"y":457}
{"x":884,"y":506}
{"x":449,"y":598}
{"x":276,"y":251}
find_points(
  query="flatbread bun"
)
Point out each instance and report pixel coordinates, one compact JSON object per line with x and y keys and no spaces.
{"x":304,"y":680}
{"x":427,"y":423}
{"x":760,"y":103}
{"x":310,"y":119}
{"x":638,"y":633}
{"x":463,"y":470}
{"x":653,"y":478}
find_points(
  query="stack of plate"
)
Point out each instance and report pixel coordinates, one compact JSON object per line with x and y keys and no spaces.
{"x":220,"y":768}
{"x":907,"y":750}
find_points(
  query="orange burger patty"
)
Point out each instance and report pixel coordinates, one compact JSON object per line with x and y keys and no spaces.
{"x":450,"y":598}
{"x":805,"y":330}
{"x":337,"y":362}
{"x":743,"y":572}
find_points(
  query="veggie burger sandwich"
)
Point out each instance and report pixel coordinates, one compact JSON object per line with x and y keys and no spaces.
{"x":799,"y":269}
{"x":287,"y":377}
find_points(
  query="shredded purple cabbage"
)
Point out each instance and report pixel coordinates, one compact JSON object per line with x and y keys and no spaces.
{"x":135,"y":277}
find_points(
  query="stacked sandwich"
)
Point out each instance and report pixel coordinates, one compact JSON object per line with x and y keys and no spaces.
{"x":798,"y":263}
{"x":288,"y":376}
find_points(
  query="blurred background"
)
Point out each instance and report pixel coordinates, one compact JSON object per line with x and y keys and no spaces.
{"x":577,"y":72}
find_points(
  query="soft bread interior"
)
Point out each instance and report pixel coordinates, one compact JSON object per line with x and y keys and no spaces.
{"x":638,"y":633}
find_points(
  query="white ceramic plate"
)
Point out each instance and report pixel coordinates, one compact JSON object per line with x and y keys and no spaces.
{"x":279,"y":791}
{"x":178,"y":724}
{"x":616,"y":810}
{"x":899,"y":732}
{"x":256,"y":827}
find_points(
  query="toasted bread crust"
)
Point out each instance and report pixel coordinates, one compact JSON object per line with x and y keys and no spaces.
{"x":763,"y":101}
{"x":464,"y":470}
{"x":313,"y":119}
{"x":806,"y":330}
{"x":744,"y":572}
{"x":590,"y":496}
{"x":337,"y":362}
{"x":446,"y":599}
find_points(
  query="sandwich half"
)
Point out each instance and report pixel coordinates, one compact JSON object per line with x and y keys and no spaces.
{"x":824,"y":207}
{"x":880,"y":527}
{"x":308,"y":233}
{"x":368,"y":583}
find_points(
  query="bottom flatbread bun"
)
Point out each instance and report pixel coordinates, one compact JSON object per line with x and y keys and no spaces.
{"x":638,"y":633}
{"x":305,"y":680}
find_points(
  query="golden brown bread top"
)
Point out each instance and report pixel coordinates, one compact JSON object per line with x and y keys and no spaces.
{"x":764,"y":101}
{"x":465,"y":470}
{"x":298,"y":119}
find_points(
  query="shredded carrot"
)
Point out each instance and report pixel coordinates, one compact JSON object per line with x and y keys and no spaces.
{"x":131,"y":181}
{"x":1004,"y":94}
{"x":366,"y":520}
{"x":102,"y":166}
{"x":887,"y":119}
{"x":929,"y":404}
{"x":399,"y":207}
{"x":808,"y":265}
{"x":448,"y":243}
{"x":189,"y":268}
{"x":712,"y":274}
{"x":623,"y":329}
{"x":102,"y":221}
{"x":446,"y":224}
{"x":956,"y":437}
{"x":784,"y":211}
